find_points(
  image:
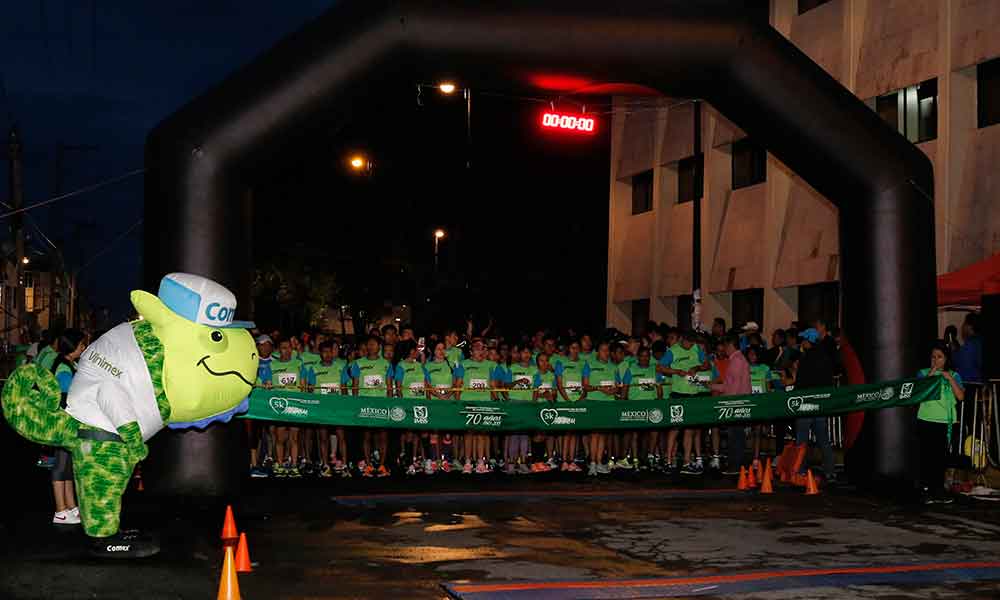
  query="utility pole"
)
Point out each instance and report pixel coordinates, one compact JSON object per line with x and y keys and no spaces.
{"x":17,"y":223}
{"x":65,"y":274}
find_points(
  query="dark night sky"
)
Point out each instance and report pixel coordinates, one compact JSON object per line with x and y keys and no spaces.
{"x":527,"y":223}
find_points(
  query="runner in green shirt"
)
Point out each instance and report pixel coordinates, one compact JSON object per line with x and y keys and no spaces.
{"x":682,"y":363}
{"x":440,"y":385}
{"x":410,"y":381}
{"x":641,"y":382}
{"x":46,"y":353}
{"x":599,"y":384}
{"x":329,"y":376}
{"x":569,"y":379}
{"x":286,"y":373}
{"x":546,"y":390}
{"x":586,"y":348}
{"x":371,"y":376}
{"x":479,"y":380}
{"x":519,"y":378}
{"x":451,"y":349}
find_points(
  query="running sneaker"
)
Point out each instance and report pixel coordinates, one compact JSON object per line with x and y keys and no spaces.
{"x":259,"y":473}
{"x":467,"y":468}
{"x":457,"y":464}
{"x":623,"y":464}
{"x":714,"y":463}
{"x":46,"y":462}
{"x":280,"y":471}
{"x":66,"y":517}
{"x":592,"y":469}
{"x":482,"y":467}
{"x":367,"y":470}
{"x":574,"y":468}
{"x":382,"y":471}
{"x":552,"y":463}
{"x":446,"y":465}
{"x":692,"y":468}
{"x":338,"y":465}
{"x":603,"y":469}
{"x":493,"y":464}
{"x":411,"y":470}
{"x":294,"y":472}
{"x":523,"y":469}
{"x":668,"y":468}
{"x":564,"y":466}
{"x":510,"y":469}
{"x":429,"y":467}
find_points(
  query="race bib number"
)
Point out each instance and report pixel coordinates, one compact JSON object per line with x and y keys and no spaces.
{"x":416,"y":389}
{"x":478,"y":384}
{"x":287,"y":379}
{"x":522,"y":384}
{"x":606,"y":384}
{"x":646,"y":384}
{"x":443,"y":386}
{"x":329,"y":388}
{"x":374,"y":381}
{"x":574,"y":386}
{"x":756,"y":389}
{"x":545,"y":386}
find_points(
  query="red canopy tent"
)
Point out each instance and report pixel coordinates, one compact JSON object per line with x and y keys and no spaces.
{"x":967,"y":286}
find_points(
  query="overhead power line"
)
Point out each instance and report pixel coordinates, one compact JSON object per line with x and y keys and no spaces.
{"x":83,"y":190}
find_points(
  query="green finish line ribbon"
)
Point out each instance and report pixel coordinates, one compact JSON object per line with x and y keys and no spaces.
{"x":295,"y":407}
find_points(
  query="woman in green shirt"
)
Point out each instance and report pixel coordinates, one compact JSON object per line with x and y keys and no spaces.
{"x":934,"y":420}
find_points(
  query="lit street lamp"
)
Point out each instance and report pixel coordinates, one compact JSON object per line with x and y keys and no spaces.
{"x":438,"y":234}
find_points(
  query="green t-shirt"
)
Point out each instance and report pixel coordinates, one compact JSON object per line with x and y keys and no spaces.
{"x":330,"y":378}
{"x":683,"y":360}
{"x":285,"y":374}
{"x":642,"y":382}
{"x":760,"y":379}
{"x":309,"y":359}
{"x":439,"y":374}
{"x":943,"y":409}
{"x":46,"y":358}
{"x":454,"y":356}
{"x":371,"y":375}
{"x":411,"y":379}
{"x":521,"y":381}
{"x":545,"y":381}
{"x":570,"y":373}
{"x":588,"y":356}
{"x":477,"y":378}
{"x":599,"y":373}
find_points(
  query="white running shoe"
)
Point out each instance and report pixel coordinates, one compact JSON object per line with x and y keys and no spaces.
{"x":714,"y":463}
{"x":523,"y":469}
{"x":603,"y":469}
{"x":592,"y":469}
{"x":66,"y":517}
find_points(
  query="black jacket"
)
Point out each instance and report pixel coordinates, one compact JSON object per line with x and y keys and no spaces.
{"x":815,"y":369}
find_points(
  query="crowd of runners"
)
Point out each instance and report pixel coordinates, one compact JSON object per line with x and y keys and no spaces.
{"x":394,"y":362}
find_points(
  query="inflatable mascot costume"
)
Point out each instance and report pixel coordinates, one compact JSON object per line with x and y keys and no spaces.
{"x":183,"y":363}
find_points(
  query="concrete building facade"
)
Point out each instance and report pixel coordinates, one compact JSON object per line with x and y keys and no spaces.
{"x":683,"y":177}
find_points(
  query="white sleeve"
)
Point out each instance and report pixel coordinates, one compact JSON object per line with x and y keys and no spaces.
{"x":114,"y":401}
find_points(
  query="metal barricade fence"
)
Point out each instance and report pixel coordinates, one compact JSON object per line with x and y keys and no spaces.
{"x":978,"y":431}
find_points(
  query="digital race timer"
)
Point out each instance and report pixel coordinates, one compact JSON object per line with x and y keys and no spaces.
{"x":581,"y":123}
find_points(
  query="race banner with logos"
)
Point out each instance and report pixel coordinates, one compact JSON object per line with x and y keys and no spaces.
{"x":294,"y":407}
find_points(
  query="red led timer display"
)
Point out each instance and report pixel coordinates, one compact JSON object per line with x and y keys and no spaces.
{"x":567,"y":122}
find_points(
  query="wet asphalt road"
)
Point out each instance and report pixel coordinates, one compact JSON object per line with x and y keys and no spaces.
{"x":334,"y":539}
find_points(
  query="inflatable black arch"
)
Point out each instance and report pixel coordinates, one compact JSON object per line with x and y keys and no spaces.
{"x":198,"y":160}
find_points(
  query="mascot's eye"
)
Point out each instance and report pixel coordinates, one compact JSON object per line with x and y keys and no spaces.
{"x":216,"y":336}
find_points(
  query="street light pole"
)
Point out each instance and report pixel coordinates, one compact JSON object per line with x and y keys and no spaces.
{"x":438,"y":234}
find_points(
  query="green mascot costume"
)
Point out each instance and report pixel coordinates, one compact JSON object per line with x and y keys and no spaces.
{"x":183,"y":363}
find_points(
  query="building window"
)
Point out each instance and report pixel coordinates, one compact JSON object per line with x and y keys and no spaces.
{"x":988,"y":92}
{"x":749,"y":164}
{"x":912,"y":110}
{"x":807,"y":5}
{"x":642,"y":192}
{"x":690,"y":178}
{"x":748,"y":305}
{"x":640,"y":316}
{"x":819,"y":301}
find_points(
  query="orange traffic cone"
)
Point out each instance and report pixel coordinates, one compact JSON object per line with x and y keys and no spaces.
{"x":742,"y":485}
{"x":751,"y":479}
{"x":229,"y":586}
{"x":766,"y":486}
{"x":243,"y":556}
{"x":229,"y":533}
{"x":811,"y":489}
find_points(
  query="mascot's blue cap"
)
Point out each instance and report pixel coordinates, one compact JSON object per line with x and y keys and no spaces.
{"x":200,"y":300}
